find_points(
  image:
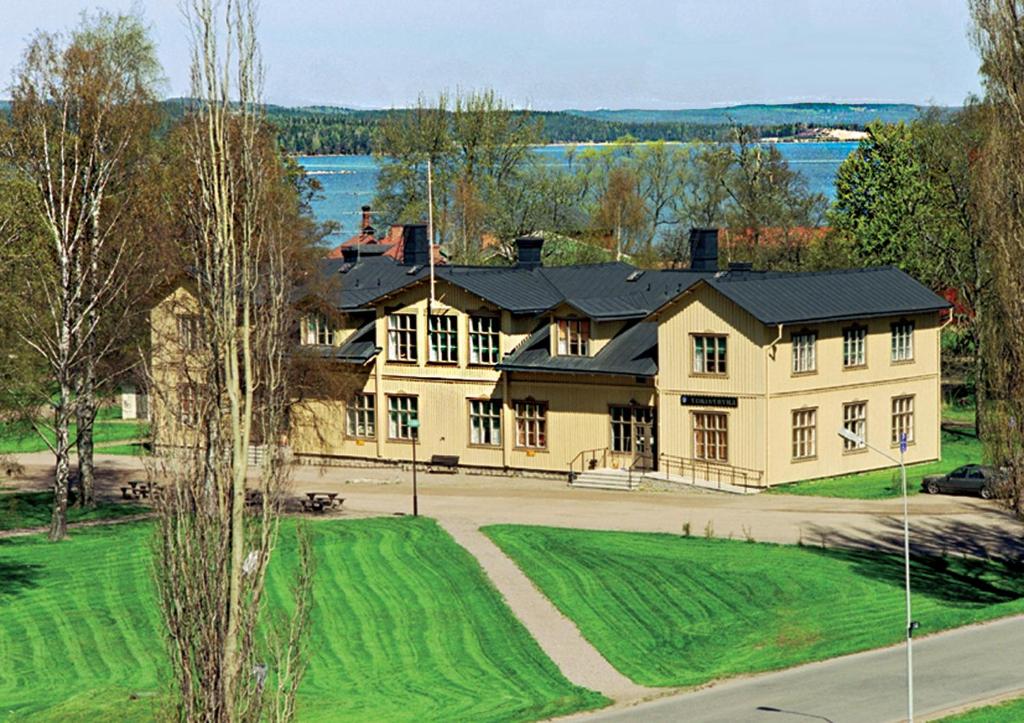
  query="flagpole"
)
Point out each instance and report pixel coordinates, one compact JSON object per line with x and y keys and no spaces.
{"x":430,"y":228}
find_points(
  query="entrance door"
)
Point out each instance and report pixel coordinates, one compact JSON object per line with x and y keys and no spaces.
{"x":644,"y":440}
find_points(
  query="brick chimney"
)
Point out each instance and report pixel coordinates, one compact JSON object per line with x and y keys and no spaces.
{"x":367,"y":225}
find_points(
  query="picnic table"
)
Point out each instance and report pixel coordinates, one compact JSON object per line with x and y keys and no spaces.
{"x":320,"y":501}
{"x":138,"y":489}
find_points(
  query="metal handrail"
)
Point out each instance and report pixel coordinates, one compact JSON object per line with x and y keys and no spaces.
{"x":581,"y":457}
{"x":633,"y":465}
{"x":712,"y":471}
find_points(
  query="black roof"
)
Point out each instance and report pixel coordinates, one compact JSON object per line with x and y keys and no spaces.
{"x":617,"y":290}
{"x":602,"y":291}
{"x":802,"y":297}
{"x":359,"y":348}
{"x":632,"y":352}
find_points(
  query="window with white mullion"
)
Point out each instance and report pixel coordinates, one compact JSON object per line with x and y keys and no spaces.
{"x":444,"y":338}
{"x":318,"y":331}
{"x":903,"y":341}
{"x":402,"y":409}
{"x":483,"y":340}
{"x":855,"y":419}
{"x":573,"y":337}
{"x":804,"y":352}
{"x":402,"y":337}
{"x":485,"y":422}
{"x":709,"y":354}
{"x":360,"y":420}
{"x":855,"y":346}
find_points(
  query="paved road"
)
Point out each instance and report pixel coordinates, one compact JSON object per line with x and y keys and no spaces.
{"x":951,"y":669}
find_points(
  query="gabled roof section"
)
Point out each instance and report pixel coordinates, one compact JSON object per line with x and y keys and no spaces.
{"x":794,"y":298}
{"x":359,"y":348}
{"x":633,"y":352}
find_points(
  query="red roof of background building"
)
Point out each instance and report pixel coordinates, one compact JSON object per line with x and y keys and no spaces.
{"x":367,"y":235}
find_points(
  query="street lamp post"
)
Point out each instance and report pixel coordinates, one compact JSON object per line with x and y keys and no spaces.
{"x":414,"y":425}
{"x":911,"y":624}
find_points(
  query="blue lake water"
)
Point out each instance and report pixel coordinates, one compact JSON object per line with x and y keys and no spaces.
{"x":350,"y":182}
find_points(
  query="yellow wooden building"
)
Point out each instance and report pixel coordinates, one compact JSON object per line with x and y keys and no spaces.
{"x":697,"y":372}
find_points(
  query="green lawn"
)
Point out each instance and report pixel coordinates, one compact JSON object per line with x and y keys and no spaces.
{"x":667,"y":610}
{"x":405,"y":628}
{"x":32,"y":509}
{"x":20,"y":437}
{"x":961,"y":413}
{"x":957,"y":448}
{"x":1009,"y":711}
{"x":132,"y":449}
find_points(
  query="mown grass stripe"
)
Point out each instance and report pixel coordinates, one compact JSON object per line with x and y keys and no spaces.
{"x":406,"y":627}
{"x":666,"y":610}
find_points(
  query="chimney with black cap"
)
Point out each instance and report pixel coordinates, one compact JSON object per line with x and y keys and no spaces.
{"x":528,"y":250}
{"x":350,"y":254}
{"x":704,"y":249}
{"x":366,"y":227}
{"x":415,"y":245}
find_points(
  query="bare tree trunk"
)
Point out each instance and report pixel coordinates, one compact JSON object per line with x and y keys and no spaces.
{"x":86,"y":409}
{"x":214,"y":548}
{"x":62,"y":468}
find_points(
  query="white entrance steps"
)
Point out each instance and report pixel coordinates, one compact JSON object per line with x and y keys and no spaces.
{"x":688,"y":481}
{"x":606,"y":479}
{"x":618,"y":479}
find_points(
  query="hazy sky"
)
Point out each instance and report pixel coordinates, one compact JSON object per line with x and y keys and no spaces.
{"x":575,"y":53}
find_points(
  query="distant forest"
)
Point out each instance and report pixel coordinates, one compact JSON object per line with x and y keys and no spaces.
{"x":316,"y":130}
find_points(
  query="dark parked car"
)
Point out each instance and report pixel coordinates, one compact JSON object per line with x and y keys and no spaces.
{"x":969,"y":479}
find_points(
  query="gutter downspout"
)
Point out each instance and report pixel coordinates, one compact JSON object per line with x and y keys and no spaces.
{"x":769,"y":351}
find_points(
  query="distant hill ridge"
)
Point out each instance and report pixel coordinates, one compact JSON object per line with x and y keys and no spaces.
{"x":762,"y":114}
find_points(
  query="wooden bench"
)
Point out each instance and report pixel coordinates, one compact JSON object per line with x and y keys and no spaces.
{"x":443,"y":463}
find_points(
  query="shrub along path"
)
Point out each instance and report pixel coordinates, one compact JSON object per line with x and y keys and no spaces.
{"x":405,"y":627}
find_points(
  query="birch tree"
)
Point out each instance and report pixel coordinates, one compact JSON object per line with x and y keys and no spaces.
{"x":226,"y":393}
{"x":81,"y":109}
{"x":999,"y":188}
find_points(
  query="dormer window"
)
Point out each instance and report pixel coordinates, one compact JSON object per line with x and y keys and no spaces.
{"x":573,"y":337}
{"x":318,"y":330}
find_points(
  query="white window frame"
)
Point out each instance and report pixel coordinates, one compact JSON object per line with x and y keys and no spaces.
{"x":318,"y":330}
{"x":805,"y":352}
{"x":902,"y":347}
{"x":855,"y":419}
{"x":484,"y":340}
{"x":402,"y":331}
{"x":855,"y":345}
{"x":805,"y":433}
{"x":188,"y":415}
{"x":402,"y":408}
{"x":573,"y":337}
{"x":710,"y":354}
{"x":485,"y":422}
{"x":361,"y":416}
{"x":443,"y":336}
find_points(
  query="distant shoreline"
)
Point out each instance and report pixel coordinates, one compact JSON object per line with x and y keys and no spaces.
{"x":596,"y":144}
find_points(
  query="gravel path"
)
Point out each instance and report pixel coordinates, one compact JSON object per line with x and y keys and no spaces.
{"x":578,"y":660}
